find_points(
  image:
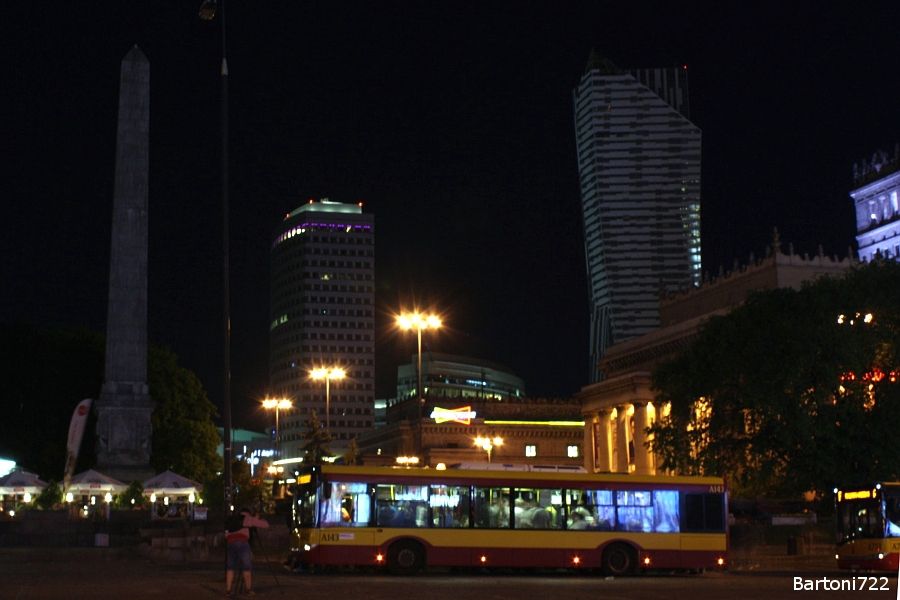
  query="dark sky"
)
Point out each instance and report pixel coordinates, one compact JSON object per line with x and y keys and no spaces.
{"x":452,"y":122}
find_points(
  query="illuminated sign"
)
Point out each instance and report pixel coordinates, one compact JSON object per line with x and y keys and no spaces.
{"x":462,"y":415}
{"x":858,"y":495}
{"x":304,"y":479}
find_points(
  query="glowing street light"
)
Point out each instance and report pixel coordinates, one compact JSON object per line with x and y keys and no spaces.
{"x":327,"y":373}
{"x":419,"y":322}
{"x":277,"y":404}
{"x":487,"y":444}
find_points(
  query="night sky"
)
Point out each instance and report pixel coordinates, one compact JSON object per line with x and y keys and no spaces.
{"x":452,"y":122}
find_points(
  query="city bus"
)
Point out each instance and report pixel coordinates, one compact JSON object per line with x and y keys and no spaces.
{"x":407,"y":519}
{"x":868,"y":526}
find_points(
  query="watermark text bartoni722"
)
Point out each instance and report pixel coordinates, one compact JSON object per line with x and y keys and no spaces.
{"x":847,"y":584}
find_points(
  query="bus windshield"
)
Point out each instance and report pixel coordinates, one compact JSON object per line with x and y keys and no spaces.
{"x":859,"y":519}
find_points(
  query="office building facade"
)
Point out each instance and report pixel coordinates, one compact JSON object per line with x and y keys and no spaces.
{"x":639,"y":168}
{"x":323,"y":315}
{"x":877,"y":208}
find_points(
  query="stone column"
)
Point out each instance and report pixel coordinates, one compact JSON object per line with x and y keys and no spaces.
{"x":622,"y":438}
{"x":603,"y":453}
{"x":643,"y":460}
{"x":589,"y":442}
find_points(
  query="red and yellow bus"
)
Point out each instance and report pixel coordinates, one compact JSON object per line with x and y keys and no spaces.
{"x":868,"y":527}
{"x":405,"y":519}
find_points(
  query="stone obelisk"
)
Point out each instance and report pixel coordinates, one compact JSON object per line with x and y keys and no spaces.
{"x":125,"y":405}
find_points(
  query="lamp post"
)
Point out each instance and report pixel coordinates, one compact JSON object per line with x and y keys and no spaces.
{"x":270,"y":403}
{"x":419,"y":322}
{"x":327,"y":373}
{"x":487,"y":444}
{"x":208,"y":11}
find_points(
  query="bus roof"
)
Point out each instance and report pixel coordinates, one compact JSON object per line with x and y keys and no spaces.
{"x":522,"y":478}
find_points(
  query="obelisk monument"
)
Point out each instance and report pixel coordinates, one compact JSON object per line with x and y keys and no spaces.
{"x":125,"y":405}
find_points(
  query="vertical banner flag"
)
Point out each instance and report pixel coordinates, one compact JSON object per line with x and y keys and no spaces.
{"x":76,"y":432}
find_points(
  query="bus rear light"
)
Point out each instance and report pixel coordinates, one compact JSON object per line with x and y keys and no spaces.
{"x":646,"y":560}
{"x":483,"y":558}
{"x":721,"y":561}
{"x":880,"y":556}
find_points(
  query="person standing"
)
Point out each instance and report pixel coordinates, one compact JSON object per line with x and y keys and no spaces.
{"x":237,"y":538}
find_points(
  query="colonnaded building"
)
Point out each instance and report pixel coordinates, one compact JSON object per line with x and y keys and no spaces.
{"x":323,"y":317}
{"x":618,"y":409}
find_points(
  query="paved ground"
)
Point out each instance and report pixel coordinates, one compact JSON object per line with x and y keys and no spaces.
{"x":111,"y":573}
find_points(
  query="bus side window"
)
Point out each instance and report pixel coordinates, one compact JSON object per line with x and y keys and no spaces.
{"x":491,"y":507}
{"x":703,"y":512}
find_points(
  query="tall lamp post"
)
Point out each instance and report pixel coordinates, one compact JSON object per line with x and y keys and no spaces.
{"x":207,"y":12}
{"x":419,"y":322}
{"x":487,"y":444}
{"x":327,"y":373}
{"x":270,"y":403}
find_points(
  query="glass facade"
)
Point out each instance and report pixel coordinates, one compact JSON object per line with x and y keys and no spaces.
{"x":639,"y":167}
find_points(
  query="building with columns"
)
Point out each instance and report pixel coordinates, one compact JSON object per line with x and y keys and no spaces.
{"x":618,"y":410}
{"x":877,"y":206}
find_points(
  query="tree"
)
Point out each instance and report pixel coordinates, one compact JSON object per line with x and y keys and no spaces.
{"x":317,"y":440}
{"x":49,"y":497}
{"x":47,"y":371}
{"x":184,"y":435}
{"x":781,"y":398}
{"x":132,"y":497}
{"x":352,"y":455}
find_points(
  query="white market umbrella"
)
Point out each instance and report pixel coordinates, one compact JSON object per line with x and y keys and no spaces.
{"x":171,"y":484}
{"x":20,"y":482}
{"x":94,"y":483}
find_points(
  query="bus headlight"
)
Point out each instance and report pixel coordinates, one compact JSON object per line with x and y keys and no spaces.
{"x":307,"y":547}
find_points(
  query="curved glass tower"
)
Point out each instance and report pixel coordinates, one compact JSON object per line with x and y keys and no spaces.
{"x":639,"y":167}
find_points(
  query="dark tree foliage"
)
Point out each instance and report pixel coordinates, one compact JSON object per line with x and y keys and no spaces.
{"x":46,"y":372}
{"x":781,"y":398}
{"x":184,"y":435}
{"x":50,"y":497}
{"x":133,"y":497}
{"x":317,"y":440}
{"x":351,"y":457}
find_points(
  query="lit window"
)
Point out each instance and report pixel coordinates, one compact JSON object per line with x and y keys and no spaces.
{"x":530,"y":450}
{"x":572,"y":451}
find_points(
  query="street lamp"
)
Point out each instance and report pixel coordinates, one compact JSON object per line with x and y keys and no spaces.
{"x":327,"y":373}
{"x":270,"y":403}
{"x":207,"y":12}
{"x":487,"y":444}
{"x":419,"y":322}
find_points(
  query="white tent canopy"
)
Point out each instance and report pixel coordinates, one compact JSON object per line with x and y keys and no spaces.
{"x":171,"y":484}
{"x":93,"y":483}
{"x":20,"y":482}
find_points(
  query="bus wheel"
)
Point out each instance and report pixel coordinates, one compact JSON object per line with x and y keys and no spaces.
{"x":405,"y":557}
{"x":619,"y":559}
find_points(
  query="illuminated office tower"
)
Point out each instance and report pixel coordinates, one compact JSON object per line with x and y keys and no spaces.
{"x":322,"y":311}
{"x":639,"y":167}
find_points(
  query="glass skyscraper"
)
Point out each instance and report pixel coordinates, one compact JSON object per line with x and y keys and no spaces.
{"x":639,"y":168}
